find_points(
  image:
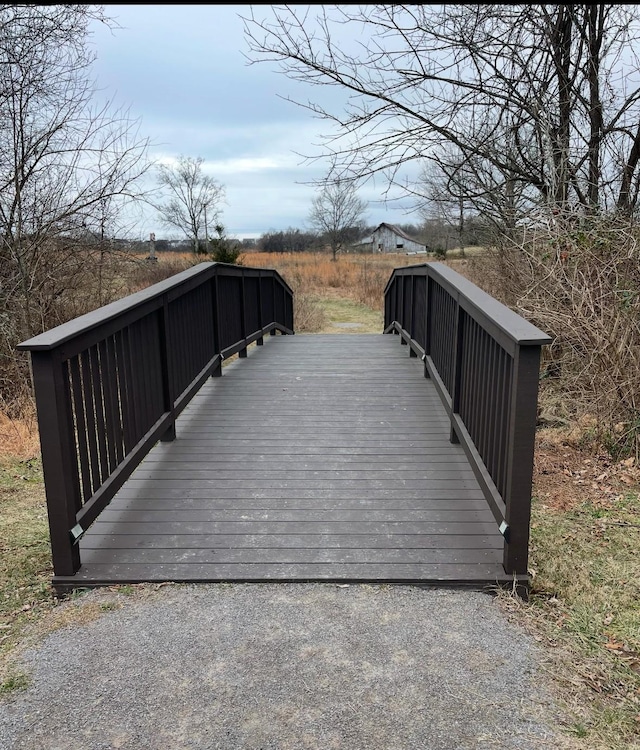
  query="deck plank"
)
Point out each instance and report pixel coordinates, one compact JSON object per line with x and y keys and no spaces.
{"x":319,"y":457}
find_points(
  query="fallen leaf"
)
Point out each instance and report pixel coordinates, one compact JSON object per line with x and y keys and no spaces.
{"x":634,"y":665}
{"x":608,"y":620}
{"x":614,"y":646}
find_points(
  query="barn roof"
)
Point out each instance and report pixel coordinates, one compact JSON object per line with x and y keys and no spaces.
{"x":398,"y":231}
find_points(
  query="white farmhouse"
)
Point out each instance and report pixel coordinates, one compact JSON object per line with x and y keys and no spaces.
{"x":387,"y":238}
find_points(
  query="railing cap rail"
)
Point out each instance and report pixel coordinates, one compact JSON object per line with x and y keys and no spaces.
{"x":516,"y":327}
{"x":67,"y":331}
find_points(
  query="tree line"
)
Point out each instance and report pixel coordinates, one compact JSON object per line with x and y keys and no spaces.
{"x":439,"y":236}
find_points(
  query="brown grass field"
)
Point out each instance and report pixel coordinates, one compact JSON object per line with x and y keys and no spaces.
{"x":583,"y":609}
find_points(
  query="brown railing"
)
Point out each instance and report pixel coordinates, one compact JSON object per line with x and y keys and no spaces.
{"x":484,"y":360}
{"x":111,"y":383}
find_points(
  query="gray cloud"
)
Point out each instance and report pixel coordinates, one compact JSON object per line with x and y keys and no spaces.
{"x":181,"y":69}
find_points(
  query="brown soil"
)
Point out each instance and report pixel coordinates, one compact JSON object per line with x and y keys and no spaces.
{"x":566,"y":475}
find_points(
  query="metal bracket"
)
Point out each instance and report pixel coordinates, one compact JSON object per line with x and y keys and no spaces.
{"x":424,"y":357}
{"x":504,"y":530}
{"x":76,"y":533}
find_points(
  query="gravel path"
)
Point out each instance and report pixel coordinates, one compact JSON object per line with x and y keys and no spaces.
{"x":284,"y":667}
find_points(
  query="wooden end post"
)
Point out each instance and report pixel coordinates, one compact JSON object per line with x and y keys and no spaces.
{"x":59,"y":464}
{"x":521,"y":443}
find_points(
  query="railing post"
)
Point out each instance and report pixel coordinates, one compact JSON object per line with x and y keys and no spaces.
{"x":217,"y":371}
{"x":260,"y":341}
{"x":393,"y":296}
{"x":400,"y":316}
{"x":521,"y":443}
{"x":243,"y":315}
{"x":427,"y":322}
{"x":283,"y":291}
{"x":394,"y":313}
{"x":412,"y":352}
{"x":273,"y":304}
{"x":457,"y":369}
{"x":168,"y":389}
{"x":387,"y":306}
{"x":288,"y":307}
{"x":59,"y":463}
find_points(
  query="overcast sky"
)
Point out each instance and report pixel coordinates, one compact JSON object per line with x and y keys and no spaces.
{"x":181,"y":69}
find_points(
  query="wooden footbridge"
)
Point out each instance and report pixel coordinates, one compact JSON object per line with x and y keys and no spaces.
{"x":308,"y":458}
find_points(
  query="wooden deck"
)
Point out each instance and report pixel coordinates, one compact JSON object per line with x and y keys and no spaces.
{"x":316,"y":458}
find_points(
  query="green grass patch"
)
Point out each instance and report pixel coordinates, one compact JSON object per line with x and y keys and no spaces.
{"x":13,"y":683}
{"x":586,"y":596}
{"x":25,"y":554}
{"x":343,"y":310}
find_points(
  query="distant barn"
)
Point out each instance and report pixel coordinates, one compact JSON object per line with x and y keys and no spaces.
{"x":387,"y":238}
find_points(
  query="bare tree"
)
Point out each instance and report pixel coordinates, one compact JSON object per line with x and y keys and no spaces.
{"x":63,"y":158}
{"x":194,"y":198}
{"x":539,"y":102}
{"x":337,"y":213}
{"x":290,"y":240}
{"x":66,"y":163}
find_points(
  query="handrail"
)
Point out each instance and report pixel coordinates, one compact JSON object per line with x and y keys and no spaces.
{"x":110,"y":384}
{"x":484,"y":360}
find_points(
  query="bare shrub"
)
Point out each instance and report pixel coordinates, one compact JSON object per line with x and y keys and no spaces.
{"x":580,"y":282}
{"x":71,"y":279}
{"x":145,"y":273}
{"x":371,"y":283}
{"x":308,"y":314}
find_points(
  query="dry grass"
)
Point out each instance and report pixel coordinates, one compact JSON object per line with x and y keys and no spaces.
{"x":25,"y":556}
{"x":19,"y":437}
{"x":343,"y":296}
{"x":584,"y":601}
{"x":358,"y":277}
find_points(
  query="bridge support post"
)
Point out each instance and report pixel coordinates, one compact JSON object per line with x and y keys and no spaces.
{"x":59,"y":463}
{"x":521,"y":443}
